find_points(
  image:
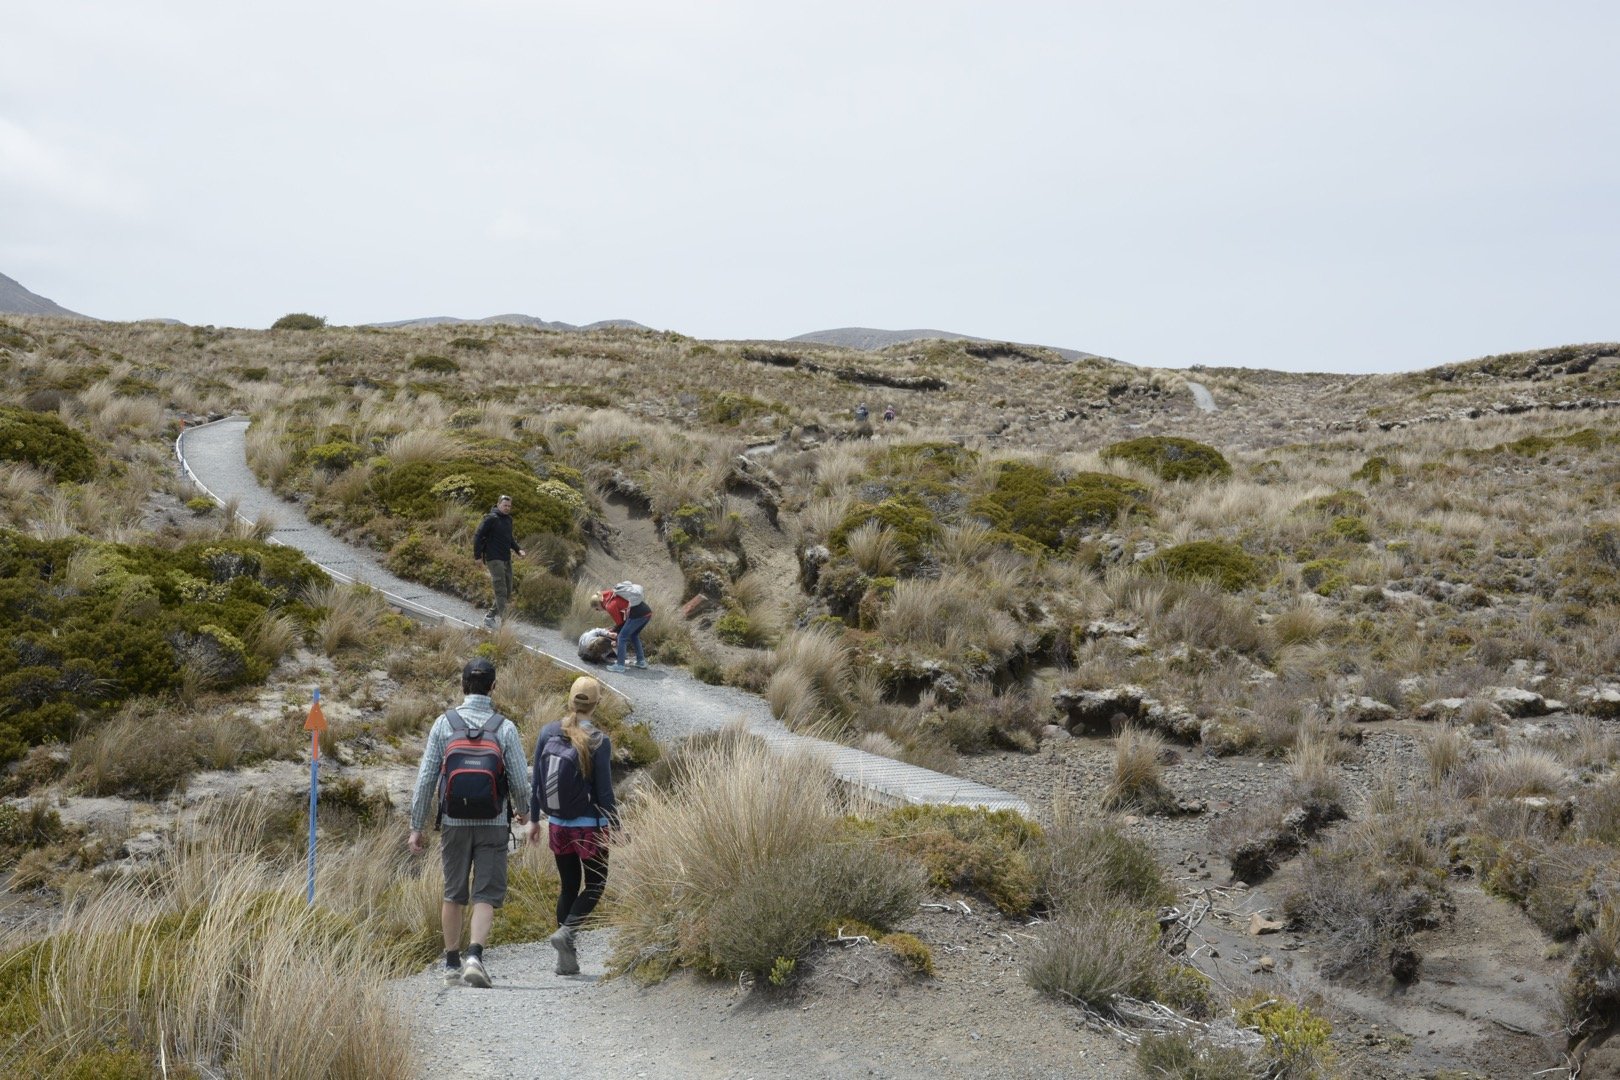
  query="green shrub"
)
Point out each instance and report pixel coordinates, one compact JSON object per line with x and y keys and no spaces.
{"x":334,"y":456}
{"x":911,"y":522}
{"x":471,"y":344}
{"x":298,"y":320}
{"x":1171,"y":458}
{"x":435,"y":364}
{"x":1337,"y":504}
{"x":1227,"y":565}
{"x":144,"y":616}
{"x":1036,"y":504}
{"x":539,"y":506}
{"x":912,"y":950}
{"x":729,"y":409}
{"x":43,"y":440}
{"x":1373,"y":470}
{"x":1296,"y":1038}
{"x":200,"y":505}
{"x":968,"y":848}
{"x":24,"y":830}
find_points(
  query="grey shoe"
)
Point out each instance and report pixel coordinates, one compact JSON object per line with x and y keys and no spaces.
{"x":642,"y":664}
{"x":473,"y":973}
{"x":567,"y":959}
{"x":452,"y":976}
{"x":490,"y":621}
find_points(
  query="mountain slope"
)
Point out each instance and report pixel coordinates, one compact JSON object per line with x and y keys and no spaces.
{"x":512,"y":320}
{"x":866,"y":338}
{"x":17,"y":300}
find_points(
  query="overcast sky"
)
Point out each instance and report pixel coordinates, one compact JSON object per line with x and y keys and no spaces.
{"x":1291,"y":185}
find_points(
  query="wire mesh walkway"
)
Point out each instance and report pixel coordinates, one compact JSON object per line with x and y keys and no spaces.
{"x":669,"y":700}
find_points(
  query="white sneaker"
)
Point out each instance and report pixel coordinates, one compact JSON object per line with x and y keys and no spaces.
{"x":452,"y":976}
{"x":473,"y":973}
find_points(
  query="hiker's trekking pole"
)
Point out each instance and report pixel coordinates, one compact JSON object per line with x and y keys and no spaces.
{"x":314,"y":725}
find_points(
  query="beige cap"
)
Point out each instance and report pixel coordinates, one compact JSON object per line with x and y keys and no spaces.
{"x":585,"y":693}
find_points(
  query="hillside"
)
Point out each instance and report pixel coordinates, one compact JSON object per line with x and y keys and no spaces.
{"x":530,"y":321}
{"x":17,"y":300}
{"x":865,"y":338}
{"x":1316,"y":696}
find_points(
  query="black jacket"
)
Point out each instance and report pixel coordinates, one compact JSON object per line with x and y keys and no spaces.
{"x":493,"y":540}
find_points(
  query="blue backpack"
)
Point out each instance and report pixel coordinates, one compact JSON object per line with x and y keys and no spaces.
{"x":561,"y":780}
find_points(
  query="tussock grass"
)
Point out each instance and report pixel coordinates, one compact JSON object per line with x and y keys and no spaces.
{"x":1138,"y":778}
{"x":350,"y":616}
{"x":740,"y":863}
{"x":213,"y":961}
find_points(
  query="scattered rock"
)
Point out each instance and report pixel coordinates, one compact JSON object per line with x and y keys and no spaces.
{"x":1259,"y":924}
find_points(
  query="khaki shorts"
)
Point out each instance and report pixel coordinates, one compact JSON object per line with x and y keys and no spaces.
{"x":479,"y":850}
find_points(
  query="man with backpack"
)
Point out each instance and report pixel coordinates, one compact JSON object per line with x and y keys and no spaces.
{"x":474,"y":762}
{"x":494,"y":546}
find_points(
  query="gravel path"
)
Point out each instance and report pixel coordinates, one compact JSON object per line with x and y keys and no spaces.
{"x":1201,"y":396}
{"x":977,"y":1019}
{"x":669,"y":700}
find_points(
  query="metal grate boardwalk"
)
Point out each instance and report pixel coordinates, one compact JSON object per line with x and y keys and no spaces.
{"x":671,"y":702}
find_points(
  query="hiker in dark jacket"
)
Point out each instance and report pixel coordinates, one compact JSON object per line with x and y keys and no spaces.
{"x":494,"y":547}
{"x":578,"y":842}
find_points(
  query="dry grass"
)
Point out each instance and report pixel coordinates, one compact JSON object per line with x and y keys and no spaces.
{"x":739,"y":862}
{"x":1138,"y":779}
{"x":228,"y":988}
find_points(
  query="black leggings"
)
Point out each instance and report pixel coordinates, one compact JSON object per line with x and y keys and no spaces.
{"x":574,"y":903}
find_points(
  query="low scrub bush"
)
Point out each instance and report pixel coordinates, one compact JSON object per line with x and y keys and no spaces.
{"x":968,"y":849}
{"x":434,"y":364}
{"x":1368,"y":890}
{"x":1086,"y":863}
{"x":45,"y":442}
{"x":133,"y":620}
{"x":1177,"y":1056}
{"x":1035,"y":503}
{"x":1171,"y":458}
{"x":1227,"y":565}
{"x":299,"y":320}
{"x":1092,"y":958}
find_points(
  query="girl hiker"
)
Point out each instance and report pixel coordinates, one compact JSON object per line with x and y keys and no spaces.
{"x":573,"y":786}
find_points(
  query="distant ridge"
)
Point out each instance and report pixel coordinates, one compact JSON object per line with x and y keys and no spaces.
{"x":865,"y":338}
{"x":513,"y":320}
{"x":16,"y":300}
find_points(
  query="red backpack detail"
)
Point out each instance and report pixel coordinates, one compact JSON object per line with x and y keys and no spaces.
{"x":472,"y":776}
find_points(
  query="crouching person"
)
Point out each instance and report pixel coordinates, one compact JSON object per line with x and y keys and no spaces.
{"x":597,"y":645}
{"x":475,"y":762}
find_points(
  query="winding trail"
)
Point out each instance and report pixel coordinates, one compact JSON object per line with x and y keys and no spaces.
{"x":669,"y":700}
{"x":1201,"y":396}
{"x":986,"y":1025}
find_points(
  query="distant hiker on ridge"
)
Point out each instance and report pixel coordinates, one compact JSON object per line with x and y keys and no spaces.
{"x":493,"y":546}
{"x":474,"y":760}
{"x":861,"y":413}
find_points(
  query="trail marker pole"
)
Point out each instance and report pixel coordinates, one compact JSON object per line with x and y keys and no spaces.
{"x":314,"y":725}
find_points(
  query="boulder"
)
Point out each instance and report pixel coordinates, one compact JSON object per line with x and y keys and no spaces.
{"x":1517,"y":702}
{"x":1361,"y":709}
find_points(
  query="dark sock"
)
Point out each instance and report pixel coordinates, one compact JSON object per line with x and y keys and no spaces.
{"x":452,"y":958}
{"x":476,"y":951}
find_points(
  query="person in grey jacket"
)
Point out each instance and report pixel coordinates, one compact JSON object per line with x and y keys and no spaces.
{"x":494,"y":546}
{"x":474,"y":847}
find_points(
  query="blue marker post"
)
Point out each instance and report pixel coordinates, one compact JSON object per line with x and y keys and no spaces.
{"x":314,"y":725}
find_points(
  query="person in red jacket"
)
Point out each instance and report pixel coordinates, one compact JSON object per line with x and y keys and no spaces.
{"x":614,"y":604}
